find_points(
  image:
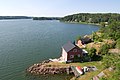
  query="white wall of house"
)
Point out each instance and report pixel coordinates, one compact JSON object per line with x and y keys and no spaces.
{"x":64,"y":55}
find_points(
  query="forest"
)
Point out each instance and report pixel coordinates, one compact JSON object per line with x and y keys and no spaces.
{"x":14,"y":17}
{"x":96,"y":18}
{"x":46,"y":18}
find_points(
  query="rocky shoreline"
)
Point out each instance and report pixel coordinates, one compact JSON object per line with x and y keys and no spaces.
{"x":43,"y":69}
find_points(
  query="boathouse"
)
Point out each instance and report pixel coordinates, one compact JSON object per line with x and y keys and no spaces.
{"x":71,"y":53}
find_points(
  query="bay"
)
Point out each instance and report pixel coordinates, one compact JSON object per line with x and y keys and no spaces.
{"x":25,"y":42}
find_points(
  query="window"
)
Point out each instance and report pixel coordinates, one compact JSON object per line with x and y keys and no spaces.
{"x":75,"y":50}
{"x":78,"y":55}
{"x":84,"y":54}
{"x":71,"y":56}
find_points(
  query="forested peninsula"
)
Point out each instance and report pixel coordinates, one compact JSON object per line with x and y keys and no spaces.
{"x":92,"y":18}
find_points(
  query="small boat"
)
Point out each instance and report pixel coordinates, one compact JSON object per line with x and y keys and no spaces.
{"x":79,"y":69}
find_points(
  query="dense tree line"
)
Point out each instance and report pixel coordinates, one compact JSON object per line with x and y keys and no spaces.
{"x":92,"y":18}
{"x":46,"y":18}
{"x":14,"y":17}
{"x":112,"y":32}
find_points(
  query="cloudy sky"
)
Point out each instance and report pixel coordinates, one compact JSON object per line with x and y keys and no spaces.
{"x":56,"y":8}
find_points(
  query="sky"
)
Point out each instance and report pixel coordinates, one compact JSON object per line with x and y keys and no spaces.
{"x":56,"y":8}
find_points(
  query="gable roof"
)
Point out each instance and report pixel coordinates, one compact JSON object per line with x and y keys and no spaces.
{"x":67,"y":47}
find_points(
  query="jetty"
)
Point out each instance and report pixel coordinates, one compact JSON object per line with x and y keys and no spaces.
{"x":47,"y":67}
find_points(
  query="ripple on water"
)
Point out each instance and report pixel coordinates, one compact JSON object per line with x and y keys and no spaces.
{"x":25,"y":42}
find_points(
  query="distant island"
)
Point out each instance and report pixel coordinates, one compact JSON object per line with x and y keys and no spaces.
{"x":14,"y":17}
{"x":27,"y":17}
{"x":46,"y":18}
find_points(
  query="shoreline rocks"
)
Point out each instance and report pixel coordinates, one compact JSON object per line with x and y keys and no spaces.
{"x":43,"y":69}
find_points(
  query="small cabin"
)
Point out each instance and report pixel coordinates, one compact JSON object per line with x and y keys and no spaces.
{"x":70,"y":52}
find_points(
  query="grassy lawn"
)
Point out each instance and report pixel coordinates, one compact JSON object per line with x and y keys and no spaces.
{"x":87,"y":75}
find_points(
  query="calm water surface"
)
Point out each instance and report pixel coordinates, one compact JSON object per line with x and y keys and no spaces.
{"x":25,"y":42}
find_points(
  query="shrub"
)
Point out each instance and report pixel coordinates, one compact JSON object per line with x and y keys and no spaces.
{"x":104,"y":49}
{"x":92,"y":52}
{"x":100,"y":40}
{"x":118,"y":43}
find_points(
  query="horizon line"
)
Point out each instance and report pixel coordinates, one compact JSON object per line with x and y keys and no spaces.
{"x":67,"y":14}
